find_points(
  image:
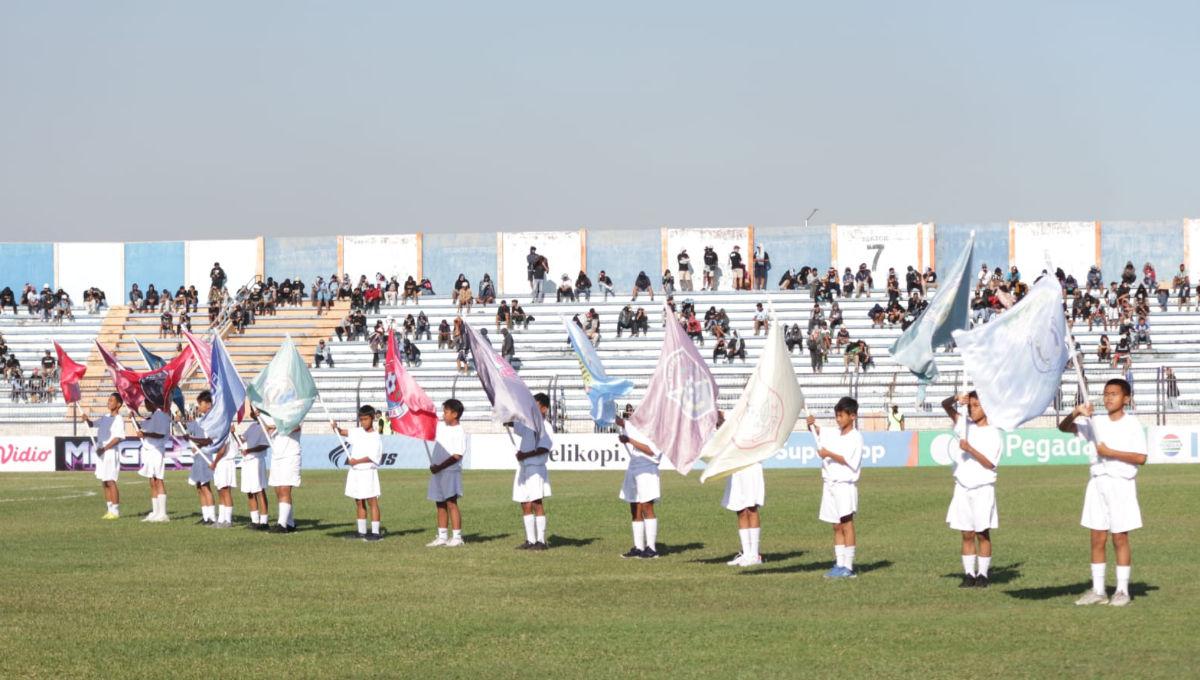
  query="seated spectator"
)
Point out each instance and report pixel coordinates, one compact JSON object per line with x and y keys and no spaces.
{"x":503,"y":315}
{"x":641,"y":322}
{"x":606,"y":285}
{"x":842,"y":339}
{"x":583,"y":286}
{"x":422,"y":327}
{"x":592,"y":328}
{"x":719,"y":351}
{"x":787,"y":281}
{"x":565,"y":290}
{"x":412,"y":354}
{"x":930,"y":278}
{"x":184,"y":323}
{"x":135,"y":298}
{"x":487,"y":290}
{"x":720,"y":326}
{"x":857,"y":355}
{"x":151,"y":301}
{"x":519,"y":317}
{"x":1149,"y":276}
{"x":693,"y":328}
{"x":426,"y":287}
{"x":625,"y":320}
{"x":377,"y":342}
{"x":835,"y":315}
{"x":1122,"y":352}
{"x":409,"y":326}
{"x":508,"y":348}
{"x":1103,"y":351}
{"x":444,"y":341}
{"x":465,"y":297}
{"x":668,"y":282}
{"x":1141,"y":333}
{"x":762,"y":320}
{"x":411,"y":291}
{"x":166,"y":325}
{"x":391,"y":292}
{"x":895,"y":312}
{"x":323,"y":354}
{"x":642,"y":285}
{"x":735,"y":348}
{"x":7,"y":299}
{"x":877,"y":316}
{"x":794,"y":338}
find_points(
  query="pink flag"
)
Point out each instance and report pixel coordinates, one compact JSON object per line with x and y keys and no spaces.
{"x":679,"y":411}
{"x":125,"y":381}
{"x":202,"y":351}
{"x":409,"y":409}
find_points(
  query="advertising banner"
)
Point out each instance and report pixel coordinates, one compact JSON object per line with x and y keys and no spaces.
{"x":1031,"y":446}
{"x":75,"y":453}
{"x":1169,"y":444}
{"x":880,"y":247}
{"x":26,"y":454}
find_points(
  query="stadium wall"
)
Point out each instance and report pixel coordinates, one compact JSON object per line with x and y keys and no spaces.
{"x":307,"y":258}
{"x":157,"y":262}
{"x":79,"y":266}
{"x":1159,"y":243}
{"x":22,"y":263}
{"x":240,"y":258}
{"x":793,"y":248}
{"x":444,"y":256}
{"x":396,"y":255}
{"x":991,"y":245}
{"x":609,"y":249}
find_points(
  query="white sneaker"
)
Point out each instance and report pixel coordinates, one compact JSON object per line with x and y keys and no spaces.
{"x":455,"y":542}
{"x":436,"y":543}
{"x":1091,"y":597}
{"x":750,"y":561}
{"x":150,"y":517}
{"x":736,"y":561}
{"x":160,"y":518}
{"x":1119,"y":599}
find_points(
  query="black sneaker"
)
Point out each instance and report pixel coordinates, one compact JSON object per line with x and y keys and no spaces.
{"x":262,"y":527}
{"x":539,"y":546}
{"x":361,"y":536}
{"x":525,"y":546}
{"x":649,"y":554}
{"x":968,"y":581}
{"x":280,"y":529}
{"x":371,"y":538}
{"x":981,"y":581}
{"x":633,"y":552}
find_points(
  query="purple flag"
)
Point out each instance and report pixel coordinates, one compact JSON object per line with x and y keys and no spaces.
{"x":679,"y":411}
{"x":511,"y":399}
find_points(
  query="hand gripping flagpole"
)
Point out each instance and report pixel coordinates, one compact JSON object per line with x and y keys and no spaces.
{"x":338,"y":432}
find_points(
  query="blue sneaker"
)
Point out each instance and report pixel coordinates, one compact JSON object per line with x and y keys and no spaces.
{"x":836,"y":572}
{"x":849,"y":573}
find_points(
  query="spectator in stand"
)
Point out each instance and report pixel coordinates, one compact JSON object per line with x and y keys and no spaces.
{"x":720,"y":327}
{"x":642,"y":285}
{"x":930,"y":278}
{"x":49,"y":365}
{"x":668,"y":282}
{"x":842,"y":340}
{"x":519,"y":316}
{"x":712,"y":276}
{"x":540,"y":266}
{"x":460,"y":349}
{"x":1122,"y":352}
{"x":1149,"y":276}
{"x":693,"y":328}
{"x":7,"y":299}
{"x":1141,"y":333}
{"x":166,"y":324}
{"x":411,"y":291}
{"x":422,"y":327}
{"x":565,"y":290}
{"x":737,"y":269}
{"x":135,"y":298}
{"x":794,"y":338}
{"x":719,"y":351}
{"x":592,"y":328}
{"x":762,"y":265}
{"x":762,"y":320}
{"x":1128,"y":274}
{"x":487,"y":290}
{"x":323,"y":354}
{"x":858,"y":355}
{"x":1103,"y":350}
{"x":184,"y":323}
{"x":426,"y":287}
{"x":320,"y":295}
{"x":735,"y":347}
{"x":606,"y":285}
{"x":877,"y":314}
{"x":391,"y":292}
{"x":465,"y":297}
{"x":835,"y":316}
{"x":625,"y":320}
{"x":583,"y":287}
{"x":685,"y":270}
{"x":503,"y":316}
{"x":641,"y":322}
{"x":444,"y":341}
{"x":788,"y":281}
{"x":412,"y":353}
{"x":912,"y":280}
{"x":530,"y":259}
{"x":217,"y":276}
{"x":1172,"y":387}
{"x":377,"y":341}
{"x":1182,"y":285}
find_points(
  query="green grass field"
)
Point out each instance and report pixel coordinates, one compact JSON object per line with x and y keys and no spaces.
{"x":83,"y":597}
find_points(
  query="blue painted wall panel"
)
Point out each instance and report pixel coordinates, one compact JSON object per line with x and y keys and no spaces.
{"x":794,"y":247}
{"x":160,"y":263}
{"x":22,"y":263}
{"x":306,"y":257}
{"x":991,"y":244}
{"x":1159,"y":243}
{"x":622,"y":253}
{"x":445,"y":256}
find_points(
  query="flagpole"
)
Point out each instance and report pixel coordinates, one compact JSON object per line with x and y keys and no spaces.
{"x":428,"y":453}
{"x":345,"y":446}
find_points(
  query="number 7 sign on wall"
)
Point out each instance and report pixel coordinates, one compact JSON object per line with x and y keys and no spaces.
{"x":881,"y":246}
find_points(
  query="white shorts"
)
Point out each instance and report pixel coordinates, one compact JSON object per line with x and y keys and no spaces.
{"x":201,"y":473}
{"x":445,"y":484}
{"x":152,"y":464}
{"x":838,"y":500}
{"x":531,"y":483}
{"x":745,"y":489}
{"x":108,"y":466}
{"x":973,"y":509}
{"x":254,"y":474}
{"x":640,"y":486}
{"x":285,"y":471}
{"x":225,"y":476}
{"x":362,"y":484}
{"x":1111,"y":504}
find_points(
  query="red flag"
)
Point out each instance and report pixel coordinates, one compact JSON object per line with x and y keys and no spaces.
{"x":409,"y":409}
{"x":125,"y":381}
{"x":157,"y":385}
{"x":202,"y":351}
{"x":69,"y":373}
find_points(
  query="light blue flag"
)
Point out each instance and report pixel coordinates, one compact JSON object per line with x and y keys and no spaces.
{"x":155,"y":362}
{"x":228,"y":392}
{"x":601,"y":390}
{"x":948,"y":311}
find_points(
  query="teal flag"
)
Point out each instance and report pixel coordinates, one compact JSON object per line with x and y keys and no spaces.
{"x":284,"y":390}
{"x":948,"y":311}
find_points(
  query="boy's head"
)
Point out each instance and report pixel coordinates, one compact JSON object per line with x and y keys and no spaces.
{"x":543,"y":402}
{"x":1116,"y":395}
{"x":974,"y":409}
{"x":845,"y":412}
{"x":204,"y":402}
{"x":452,"y":410}
{"x":366,"y":417}
{"x":115,"y":402}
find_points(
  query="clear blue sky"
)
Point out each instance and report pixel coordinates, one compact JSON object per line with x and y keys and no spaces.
{"x":156,"y":119}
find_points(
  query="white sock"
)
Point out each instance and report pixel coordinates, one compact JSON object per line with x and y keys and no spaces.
{"x":108,"y":505}
{"x":754,"y":534}
{"x":162,"y":505}
{"x":458,"y":534}
{"x":639,"y":535}
{"x":206,"y":511}
{"x":227,"y":514}
{"x":530,"y":530}
{"x":839,"y":555}
{"x":285,"y":514}
{"x":652,"y":533}
{"x":116,"y":509}
{"x":264,"y":518}
{"x":744,"y":536}
{"x":541,"y":528}
{"x":154,"y":505}
{"x":361,"y":525}
{"x":442,"y":533}
{"x":375,"y":527}
{"x":984,"y":563}
{"x":848,"y":557}
{"x":1123,"y":578}
{"x":969,"y":565}
{"x":254,"y":517}
{"x":1098,"y":577}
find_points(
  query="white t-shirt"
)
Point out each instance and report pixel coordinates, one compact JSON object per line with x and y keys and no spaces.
{"x":969,"y":472}
{"x":109,"y":429}
{"x":452,"y":440}
{"x":254,"y":438}
{"x":365,"y":444}
{"x":286,"y":445}
{"x":158,"y":423}
{"x":640,"y":461}
{"x":530,"y":440}
{"x":849,"y":446}
{"x":1125,"y":434}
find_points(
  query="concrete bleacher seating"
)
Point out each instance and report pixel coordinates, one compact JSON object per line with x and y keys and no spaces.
{"x":28,"y":338}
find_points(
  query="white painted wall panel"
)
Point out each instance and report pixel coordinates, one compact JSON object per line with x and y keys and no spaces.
{"x":1049,"y":245}
{"x":880,"y":246}
{"x":238,"y":257}
{"x":83,"y":265}
{"x":561,"y":248}
{"x":722,"y":240}
{"x":393,"y":254}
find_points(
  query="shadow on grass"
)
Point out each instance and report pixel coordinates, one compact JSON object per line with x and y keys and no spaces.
{"x":997,"y":575}
{"x":1136,"y":590}
{"x":481,"y":538}
{"x":826,"y":565}
{"x":668,"y":549}
{"x":767,"y":557}
{"x":352,"y":532}
{"x":568,"y":542}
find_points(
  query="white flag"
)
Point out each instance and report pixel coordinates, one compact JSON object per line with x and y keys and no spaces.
{"x":1017,"y":360}
{"x":762,"y":420}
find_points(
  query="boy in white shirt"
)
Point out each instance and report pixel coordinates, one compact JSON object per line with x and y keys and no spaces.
{"x":201,"y":475}
{"x":531,"y":485}
{"x":254,"y":472}
{"x":110,"y":430}
{"x":1110,"y":504}
{"x":973,"y":507}
{"x":284,"y":475}
{"x":841,"y":465}
{"x":641,"y":488}
{"x":362,"y":481}
{"x":445,"y":481}
{"x":153,"y":432}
